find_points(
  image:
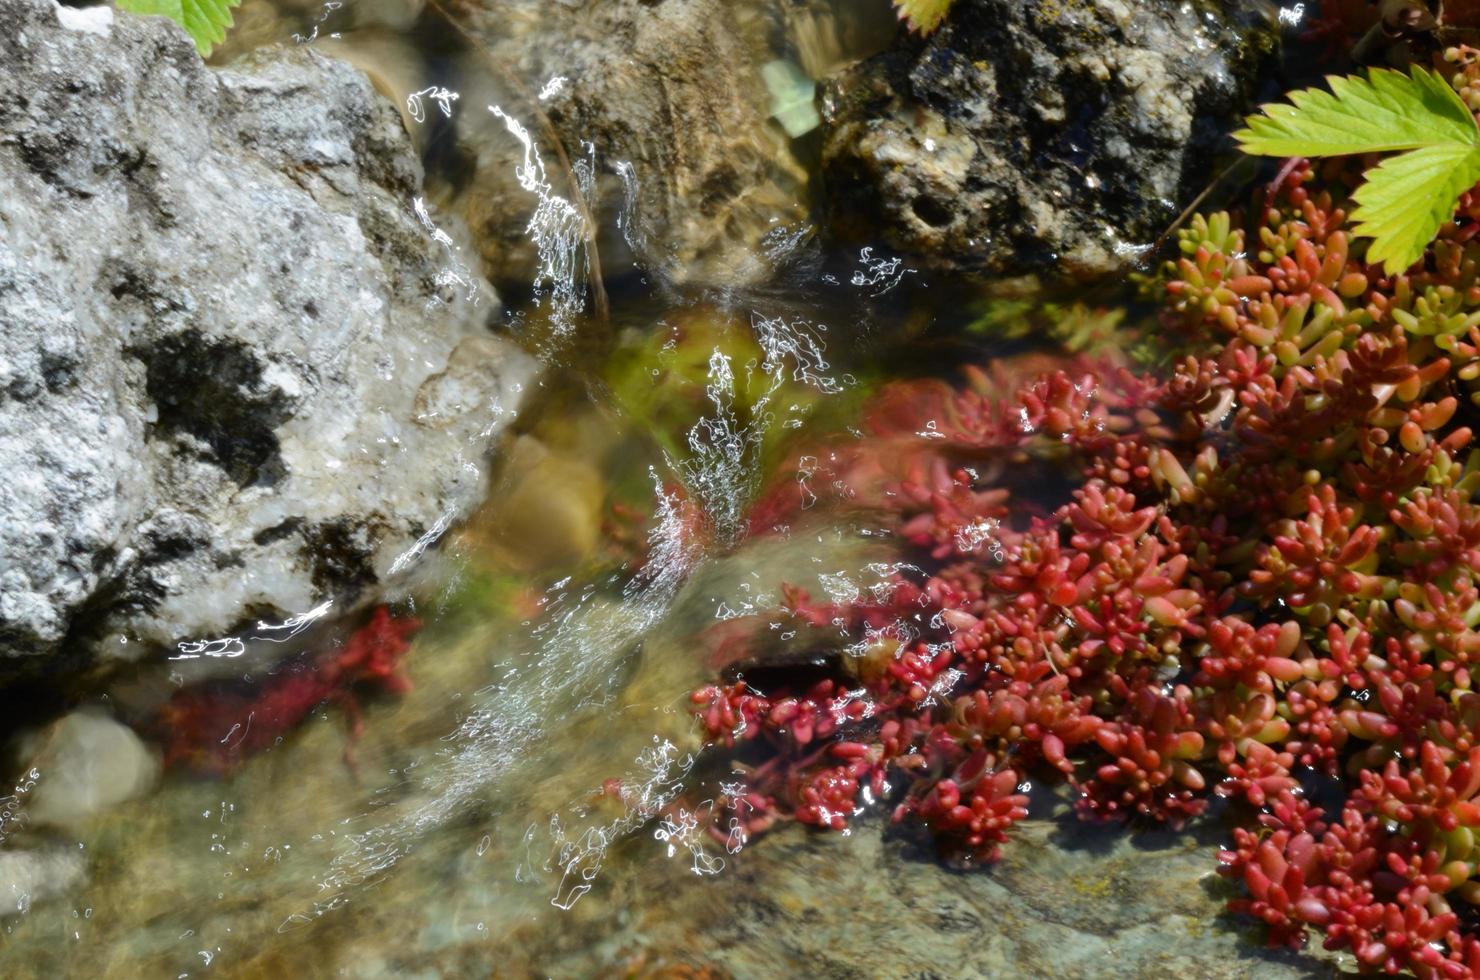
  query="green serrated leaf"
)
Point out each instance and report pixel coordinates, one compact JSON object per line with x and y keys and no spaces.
{"x":1385,"y":111}
{"x":1406,"y":199}
{"x":205,"y":21}
{"x":923,"y":15}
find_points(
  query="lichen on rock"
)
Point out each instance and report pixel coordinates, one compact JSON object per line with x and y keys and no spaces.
{"x":219,"y":311}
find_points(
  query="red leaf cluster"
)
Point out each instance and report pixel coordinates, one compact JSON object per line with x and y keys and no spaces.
{"x":212,"y":727}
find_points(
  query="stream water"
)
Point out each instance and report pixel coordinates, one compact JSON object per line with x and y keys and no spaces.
{"x":465,"y":831}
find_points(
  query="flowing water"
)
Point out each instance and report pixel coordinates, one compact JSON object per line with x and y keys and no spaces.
{"x":465,"y":831}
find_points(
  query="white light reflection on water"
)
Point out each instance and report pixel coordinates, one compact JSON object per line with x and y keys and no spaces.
{"x":405,"y":559}
{"x":13,"y":805}
{"x":325,"y":12}
{"x":442,"y":96}
{"x":576,"y":663}
{"x":576,"y":653}
{"x":558,"y":232}
{"x":230,"y":647}
{"x":879,"y":274}
{"x":627,"y":219}
{"x":722,"y":470}
{"x":719,"y":470}
{"x":455,"y":274}
{"x":577,"y":853}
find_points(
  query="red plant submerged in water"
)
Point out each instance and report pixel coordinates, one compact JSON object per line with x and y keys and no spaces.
{"x":211,"y":728}
{"x":1263,"y":579}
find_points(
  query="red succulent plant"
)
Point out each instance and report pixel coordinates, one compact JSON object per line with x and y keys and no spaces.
{"x":1265,"y":574}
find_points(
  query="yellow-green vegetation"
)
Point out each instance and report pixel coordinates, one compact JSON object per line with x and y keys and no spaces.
{"x":205,"y":21}
{"x":1076,"y":327}
{"x":665,"y":381}
{"x":1097,"y":886}
{"x":923,"y":15}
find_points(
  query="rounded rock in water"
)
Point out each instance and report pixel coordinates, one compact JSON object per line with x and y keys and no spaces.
{"x":87,"y":763}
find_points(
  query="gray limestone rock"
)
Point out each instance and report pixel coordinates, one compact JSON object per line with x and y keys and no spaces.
{"x":227,"y":329}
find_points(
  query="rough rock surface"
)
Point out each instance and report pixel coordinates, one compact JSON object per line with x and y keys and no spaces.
{"x":1057,"y":135}
{"x":662,"y":104}
{"x":1065,"y":903}
{"x":666,"y":94}
{"x":238,"y":374}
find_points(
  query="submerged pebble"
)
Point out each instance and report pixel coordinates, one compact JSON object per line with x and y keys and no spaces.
{"x":549,"y":513}
{"x":87,"y":763}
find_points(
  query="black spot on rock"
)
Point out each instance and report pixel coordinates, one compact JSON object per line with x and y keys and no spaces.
{"x":343,"y":554}
{"x":212,"y":389}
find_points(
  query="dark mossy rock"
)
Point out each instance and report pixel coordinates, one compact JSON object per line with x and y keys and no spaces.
{"x":1039,"y":137}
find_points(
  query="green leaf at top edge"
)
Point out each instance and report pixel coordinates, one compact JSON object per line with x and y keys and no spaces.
{"x":205,"y":21}
{"x":1406,"y":199}
{"x":1385,"y":111}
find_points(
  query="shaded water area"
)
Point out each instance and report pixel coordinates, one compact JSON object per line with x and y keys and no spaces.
{"x":468,"y":826}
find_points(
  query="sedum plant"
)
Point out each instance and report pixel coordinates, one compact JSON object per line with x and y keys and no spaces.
{"x":1251,"y":572}
{"x":205,"y":21}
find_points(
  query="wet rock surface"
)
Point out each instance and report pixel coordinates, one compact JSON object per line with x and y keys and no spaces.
{"x":1063,"y":903}
{"x":84,"y":764}
{"x":653,"y":118}
{"x":663,"y":98}
{"x":1058,"y":136}
{"x":230,"y":386}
